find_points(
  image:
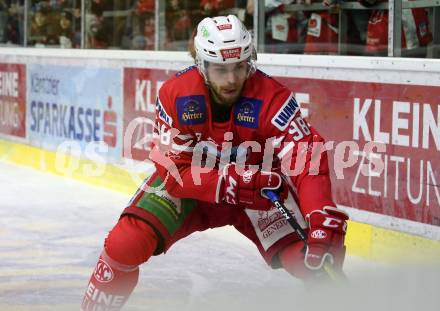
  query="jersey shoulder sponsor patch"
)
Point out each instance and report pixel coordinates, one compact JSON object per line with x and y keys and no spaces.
{"x":161,"y":112}
{"x":247,"y":112}
{"x":191,"y":110}
{"x":286,"y":113}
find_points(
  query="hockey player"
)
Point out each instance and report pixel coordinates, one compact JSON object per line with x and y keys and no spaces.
{"x":218,"y":124}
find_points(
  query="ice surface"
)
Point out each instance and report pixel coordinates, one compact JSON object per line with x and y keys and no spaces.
{"x":52,"y":230}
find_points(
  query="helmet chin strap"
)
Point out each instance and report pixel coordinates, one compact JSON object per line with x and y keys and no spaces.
{"x":201,"y":67}
{"x":252,"y":67}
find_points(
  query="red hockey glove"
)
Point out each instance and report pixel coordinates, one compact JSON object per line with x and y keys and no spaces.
{"x":246,"y":187}
{"x":327,"y":230}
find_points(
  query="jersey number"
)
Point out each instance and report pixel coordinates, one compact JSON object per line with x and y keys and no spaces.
{"x":165,"y":135}
{"x":298,"y":128}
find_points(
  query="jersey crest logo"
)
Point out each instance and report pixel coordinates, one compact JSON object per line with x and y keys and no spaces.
{"x":247,"y":112}
{"x":191,"y":109}
{"x":283,"y":117}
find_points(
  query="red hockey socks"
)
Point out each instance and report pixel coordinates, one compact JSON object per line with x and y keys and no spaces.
{"x":110,"y":285}
{"x":130,"y":243}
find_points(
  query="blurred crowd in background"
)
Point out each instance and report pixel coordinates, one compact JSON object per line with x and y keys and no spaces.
{"x":290,"y":26}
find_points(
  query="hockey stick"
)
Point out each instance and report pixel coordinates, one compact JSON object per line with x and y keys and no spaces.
{"x":328,"y":268}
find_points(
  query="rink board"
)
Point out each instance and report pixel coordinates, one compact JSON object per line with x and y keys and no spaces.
{"x":98,"y":107}
{"x":364,"y":240}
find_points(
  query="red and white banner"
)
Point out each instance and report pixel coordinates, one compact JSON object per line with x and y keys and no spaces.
{"x":140,"y":92}
{"x":406,"y":118}
{"x":13,"y":99}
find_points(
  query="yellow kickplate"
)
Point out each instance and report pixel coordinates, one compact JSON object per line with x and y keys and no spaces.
{"x":362,"y":239}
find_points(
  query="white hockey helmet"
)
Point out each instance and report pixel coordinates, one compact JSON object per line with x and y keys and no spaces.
{"x":222,"y":40}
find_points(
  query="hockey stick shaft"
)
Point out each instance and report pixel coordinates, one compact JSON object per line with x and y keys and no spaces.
{"x":274,"y":198}
{"x":287,"y":215}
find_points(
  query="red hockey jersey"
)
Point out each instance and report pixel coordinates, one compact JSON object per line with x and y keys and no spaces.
{"x":266,"y":115}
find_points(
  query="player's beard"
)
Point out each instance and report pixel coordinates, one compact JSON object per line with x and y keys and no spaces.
{"x":220,"y":98}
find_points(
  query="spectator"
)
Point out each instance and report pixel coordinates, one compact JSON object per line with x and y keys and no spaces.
{"x":73,"y":7}
{"x":77,"y":21}
{"x":13,"y":33}
{"x":3,"y":19}
{"x":322,"y":30}
{"x":142,"y":28}
{"x":96,"y":29}
{"x":149,"y":31}
{"x":66,"y":34}
{"x":415,"y":31}
{"x":285,"y":32}
{"x":357,"y":30}
{"x":179,"y":25}
{"x":240,"y":8}
{"x":39,"y":26}
{"x":214,"y":7}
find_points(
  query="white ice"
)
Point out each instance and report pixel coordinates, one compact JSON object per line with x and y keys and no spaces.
{"x":51,"y":233}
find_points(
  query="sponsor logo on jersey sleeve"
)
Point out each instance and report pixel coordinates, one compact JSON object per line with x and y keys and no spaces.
{"x":285,"y":115}
{"x":191,"y":110}
{"x":247,"y":111}
{"x":161,"y":112}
